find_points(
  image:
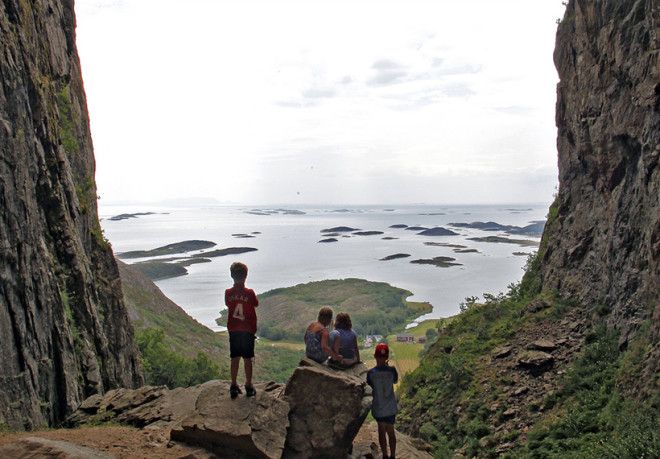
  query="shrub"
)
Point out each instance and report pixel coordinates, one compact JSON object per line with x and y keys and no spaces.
{"x":162,"y":366}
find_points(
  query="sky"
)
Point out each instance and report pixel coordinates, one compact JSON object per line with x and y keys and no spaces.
{"x":321,"y":102}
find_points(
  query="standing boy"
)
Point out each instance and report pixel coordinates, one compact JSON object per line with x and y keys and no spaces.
{"x":242,"y":325}
{"x":382,"y":379}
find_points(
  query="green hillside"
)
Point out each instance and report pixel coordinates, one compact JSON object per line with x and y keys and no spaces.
{"x":375,"y":307}
{"x":528,"y":375}
{"x":171,"y":341}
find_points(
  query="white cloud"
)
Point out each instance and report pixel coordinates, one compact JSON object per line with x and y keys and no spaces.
{"x":239,"y":100}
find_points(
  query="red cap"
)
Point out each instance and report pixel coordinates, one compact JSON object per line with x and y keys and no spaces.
{"x":382,"y":350}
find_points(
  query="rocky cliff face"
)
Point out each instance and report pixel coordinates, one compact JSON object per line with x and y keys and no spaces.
{"x":64,"y":329}
{"x":604,"y":229}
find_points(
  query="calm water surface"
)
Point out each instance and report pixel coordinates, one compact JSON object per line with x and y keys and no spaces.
{"x":289,"y":252}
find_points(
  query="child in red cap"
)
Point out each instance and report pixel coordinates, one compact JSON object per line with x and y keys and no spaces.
{"x":382,"y":379}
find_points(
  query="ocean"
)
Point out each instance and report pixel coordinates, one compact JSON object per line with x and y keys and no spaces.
{"x":289,"y":252}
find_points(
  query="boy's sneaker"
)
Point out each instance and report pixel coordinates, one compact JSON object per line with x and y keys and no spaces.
{"x":234,"y":390}
{"x":250,"y":391}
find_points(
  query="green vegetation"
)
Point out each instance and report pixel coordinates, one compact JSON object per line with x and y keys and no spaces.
{"x":157,"y":270}
{"x":449,"y":400}
{"x":184,"y":337}
{"x":162,"y":366}
{"x":86,"y":195}
{"x":447,"y":375}
{"x":274,"y":362}
{"x":66,"y":121}
{"x":593,"y":418}
{"x":375,"y":307}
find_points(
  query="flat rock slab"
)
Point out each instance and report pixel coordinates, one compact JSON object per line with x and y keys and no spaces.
{"x":543,"y":345}
{"x":501,"y":352}
{"x":43,"y":448}
{"x":254,"y":426}
{"x":536,"y":361}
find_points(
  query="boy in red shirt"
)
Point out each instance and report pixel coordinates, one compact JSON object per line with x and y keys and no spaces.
{"x":242,"y":326}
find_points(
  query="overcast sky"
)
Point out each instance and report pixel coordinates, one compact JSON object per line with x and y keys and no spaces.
{"x":346,"y":102}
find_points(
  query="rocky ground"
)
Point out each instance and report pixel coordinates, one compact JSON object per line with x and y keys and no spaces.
{"x":519,"y":377}
{"x":295,"y":420}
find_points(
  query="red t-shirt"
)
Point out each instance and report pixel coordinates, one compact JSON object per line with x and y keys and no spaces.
{"x":241,"y":303}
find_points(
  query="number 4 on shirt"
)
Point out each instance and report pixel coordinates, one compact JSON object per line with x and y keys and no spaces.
{"x":238,"y":312}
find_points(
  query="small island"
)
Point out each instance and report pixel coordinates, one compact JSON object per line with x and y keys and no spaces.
{"x":120,"y":217}
{"x":466,"y":251}
{"x":417,"y":228}
{"x":395,"y":256}
{"x":265,"y":212}
{"x":158,"y":270}
{"x":535,"y":228}
{"x":440,"y":262}
{"x":446,"y":244}
{"x":170,"y":249}
{"x":389,"y":238}
{"x":437,"y":231}
{"x":399,"y":225}
{"x":505,"y":240}
{"x":242,"y":236}
{"x":192,"y":261}
{"x":340,"y":229}
{"x":224,"y":252}
{"x":330,"y":239}
{"x":367,"y":233}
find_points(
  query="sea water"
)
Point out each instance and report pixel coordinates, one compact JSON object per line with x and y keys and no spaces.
{"x":289,"y":251}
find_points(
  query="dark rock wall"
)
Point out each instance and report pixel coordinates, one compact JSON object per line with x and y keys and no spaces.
{"x":604,"y":231}
{"x":64,"y":330}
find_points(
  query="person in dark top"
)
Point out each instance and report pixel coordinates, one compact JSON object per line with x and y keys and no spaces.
{"x":344,"y":341}
{"x":316,"y":338}
{"x":382,"y":379}
{"x":242,"y":326}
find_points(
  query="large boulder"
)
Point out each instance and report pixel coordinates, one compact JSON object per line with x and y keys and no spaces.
{"x":328,"y":408}
{"x":202,"y":415}
{"x":317,"y":414}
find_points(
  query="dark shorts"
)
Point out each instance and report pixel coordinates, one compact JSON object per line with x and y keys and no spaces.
{"x":386,"y":419}
{"x":241,"y":344}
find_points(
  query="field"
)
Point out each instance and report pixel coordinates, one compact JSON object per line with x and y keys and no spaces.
{"x":403,"y":356}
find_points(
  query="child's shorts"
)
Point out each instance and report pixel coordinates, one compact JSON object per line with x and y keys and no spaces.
{"x":241,"y":344}
{"x":386,"y":419}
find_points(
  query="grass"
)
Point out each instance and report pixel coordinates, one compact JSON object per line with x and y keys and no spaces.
{"x":446,"y":376}
{"x":67,"y":121}
{"x":592,"y":416}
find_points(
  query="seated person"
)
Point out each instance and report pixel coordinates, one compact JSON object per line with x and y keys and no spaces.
{"x":344,"y":341}
{"x":317,"y":336}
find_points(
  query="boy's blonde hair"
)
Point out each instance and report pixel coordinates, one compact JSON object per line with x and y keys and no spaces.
{"x":239,"y":271}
